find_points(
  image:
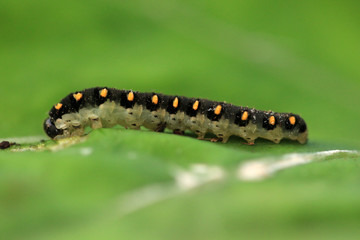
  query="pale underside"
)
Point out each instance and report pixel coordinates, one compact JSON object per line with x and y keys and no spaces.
{"x":110,"y":114}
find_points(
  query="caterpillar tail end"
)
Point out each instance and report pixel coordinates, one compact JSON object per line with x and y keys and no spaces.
{"x":303,"y":137}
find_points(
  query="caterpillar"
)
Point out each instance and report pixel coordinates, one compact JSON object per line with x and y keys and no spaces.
{"x":106,"y":107}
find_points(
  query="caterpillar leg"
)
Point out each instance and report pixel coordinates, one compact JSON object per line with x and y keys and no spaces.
{"x":95,"y":123}
{"x":208,"y":139}
{"x":276,"y":140}
{"x":200,"y":135}
{"x":224,"y":139}
{"x":216,"y":139}
{"x":160,"y":128}
{"x":249,"y":141}
{"x":178,"y":132}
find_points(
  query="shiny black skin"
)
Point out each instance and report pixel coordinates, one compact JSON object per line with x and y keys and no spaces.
{"x":50,"y":128}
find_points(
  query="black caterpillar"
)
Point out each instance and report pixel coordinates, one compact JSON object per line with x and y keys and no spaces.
{"x":105,"y":107}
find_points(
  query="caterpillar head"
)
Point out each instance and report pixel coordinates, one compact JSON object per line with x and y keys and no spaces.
{"x":50,"y":128}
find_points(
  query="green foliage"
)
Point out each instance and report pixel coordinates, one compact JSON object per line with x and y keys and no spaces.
{"x":76,"y":192}
{"x":295,"y":57}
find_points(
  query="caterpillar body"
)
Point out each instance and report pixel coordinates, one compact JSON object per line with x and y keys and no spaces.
{"x":106,"y":107}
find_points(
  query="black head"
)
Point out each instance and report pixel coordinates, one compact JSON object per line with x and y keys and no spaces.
{"x":50,"y":128}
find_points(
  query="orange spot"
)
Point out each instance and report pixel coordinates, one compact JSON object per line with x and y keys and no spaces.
{"x":58,"y":106}
{"x":217,"y":110}
{"x":272,"y":120}
{"x":104,"y":92}
{"x":155,"y":99}
{"x":292,"y":120}
{"x":130,"y":96}
{"x":245,"y":116}
{"x":196,"y":105}
{"x":176,"y":102}
{"x":77,"y":96}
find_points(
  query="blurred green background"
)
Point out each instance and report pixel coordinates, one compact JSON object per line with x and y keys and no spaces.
{"x":299,"y":57}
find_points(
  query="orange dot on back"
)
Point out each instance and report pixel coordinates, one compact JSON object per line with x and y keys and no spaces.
{"x":272,"y":120}
{"x":58,"y":106}
{"x":77,"y":96}
{"x":292,"y":120}
{"x":217,"y":110}
{"x":176,"y":102}
{"x":244,"y":116}
{"x":155,"y":99}
{"x":104,"y":92}
{"x":130,"y":96}
{"x":196,"y":105}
